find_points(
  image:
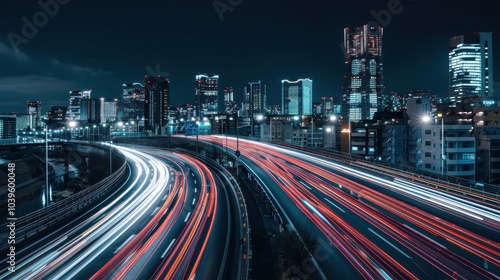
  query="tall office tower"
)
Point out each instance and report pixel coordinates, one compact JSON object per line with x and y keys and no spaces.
{"x":157,"y":101}
{"x":471,"y":67}
{"x":186,"y":112}
{"x":230,"y":105}
{"x":297,"y":97}
{"x":133,"y":100}
{"x":90,"y":110}
{"x":7,"y":127}
{"x":75,"y":99}
{"x":108,"y":110}
{"x":35,"y":112}
{"x":255,"y":95}
{"x":207,"y":95}
{"x":363,"y":87}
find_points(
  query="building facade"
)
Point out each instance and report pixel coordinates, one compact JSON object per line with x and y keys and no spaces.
{"x":449,"y":149}
{"x":363,"y":87}
{"x":108,"y":110}
{"x":75,"y":100}
{"x":207,"y":95}
{"x":471,"y":67}
{"x":133,"y":101}
{"x":34,"y":109}
{"x":255,"y":96}
{"x":297,"y":97}
{"x":157,"y":102}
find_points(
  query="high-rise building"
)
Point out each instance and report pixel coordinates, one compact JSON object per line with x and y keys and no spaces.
{"x":363,"y":87}
{"x":75,"y":99}
{"x":7,"y":127}
{"x":297,"y":97}
{"x":230,"y":105}
{"x":108,"y":110}
{"x":255,"y":96}
{"x":157,"y":101}
{"x":207,"y":95}
{"x":471,"y":67}
{"x":133,"y":101}
{"x":90,"y":110}
{"x":57,"y":115}
{"x":34,"y":109}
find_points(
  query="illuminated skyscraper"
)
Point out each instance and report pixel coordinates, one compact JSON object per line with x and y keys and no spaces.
{"x":207,"y":95}
{"x":471,"y":67}
{"x":255,"y":96}
{"x":363,"y":79}
{"x":35,"y":112}
{"x":297,"y":97}
{"x":157,"y":90}
{"x":230,"y":105}
{"x":133,"y":100}
{"x":108,"y":110}
{"x":75,"y":99}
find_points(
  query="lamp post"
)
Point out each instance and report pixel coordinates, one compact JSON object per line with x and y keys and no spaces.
{"x":227,"y":127}
{"x":259,"y":119}
{"x":93,"y":132}
{"x":333,"y":118}
{"x":47,"y":196}
{"x":312,"y":131}
{"x":237,"y":153}
{"x":110,"y":162}
{"x":440,"y":115}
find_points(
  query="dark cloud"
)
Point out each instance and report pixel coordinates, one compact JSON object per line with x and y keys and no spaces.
{"x":100,"y":45}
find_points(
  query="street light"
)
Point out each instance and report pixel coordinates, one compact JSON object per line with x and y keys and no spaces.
{"x":312,"y":131}
{"x":47,"y":196}
{"x":440,"y":115}
{"x":331,"y":129}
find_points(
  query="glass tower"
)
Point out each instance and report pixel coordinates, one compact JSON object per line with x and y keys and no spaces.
{"x":471,"y":67}
{"x":207,"y":95}
{"x":297,"y":97}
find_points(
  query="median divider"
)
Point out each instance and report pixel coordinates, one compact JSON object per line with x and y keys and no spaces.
{"x":242,"y":266}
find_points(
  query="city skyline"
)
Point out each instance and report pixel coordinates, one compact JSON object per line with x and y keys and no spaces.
{"x":71,"y":52}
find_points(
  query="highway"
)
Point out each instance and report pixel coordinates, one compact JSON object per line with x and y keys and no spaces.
{"x":165,"y":222}
{"x":378,"y":226}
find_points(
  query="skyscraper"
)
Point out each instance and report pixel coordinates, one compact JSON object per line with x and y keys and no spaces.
{"x":75,"y":99}
{"x":230,"y":105}
{"x":108,"y":110}
{"x":297,"y":97}
{"x":207,"y":95}
{"x":471,"y":67}
{"x":255,"y":96}
{"x":363,"y":87}
{"x":157,"y":101}
{"x":35,"y":112}
{"x":133,"y":98}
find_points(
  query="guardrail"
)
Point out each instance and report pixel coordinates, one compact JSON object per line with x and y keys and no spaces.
{"x":37,"y":221}
{"x":468,"y":186}
{"x":244,"y":232}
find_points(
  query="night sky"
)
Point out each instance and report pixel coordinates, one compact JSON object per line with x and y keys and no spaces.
{"x":100,"y":45}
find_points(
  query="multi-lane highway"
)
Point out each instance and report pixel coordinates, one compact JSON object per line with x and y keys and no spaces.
{"x":378,"y":225}
{"x":165,"y":222}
